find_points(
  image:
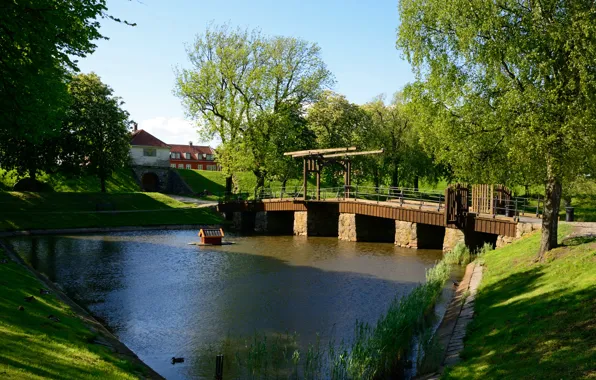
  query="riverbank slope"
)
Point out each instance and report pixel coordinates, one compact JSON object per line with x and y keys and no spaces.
{"x":534,"y":320}
{"x":42,"y":337}
{"x":30,"y":211}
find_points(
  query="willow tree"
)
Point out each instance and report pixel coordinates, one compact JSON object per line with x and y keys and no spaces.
{"x":507,"y":89}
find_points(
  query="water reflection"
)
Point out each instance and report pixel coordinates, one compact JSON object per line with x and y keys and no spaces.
{"x":164,"y":298}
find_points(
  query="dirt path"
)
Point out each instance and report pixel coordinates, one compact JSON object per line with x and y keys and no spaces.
{"x":198,"y":202}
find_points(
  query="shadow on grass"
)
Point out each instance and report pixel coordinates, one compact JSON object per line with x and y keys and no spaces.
{"x":579,"y":240}
{"x":199,"y":183}
{"x":517,"y":335}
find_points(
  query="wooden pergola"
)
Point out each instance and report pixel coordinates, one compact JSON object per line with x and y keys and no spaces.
{"x":316,"y":159}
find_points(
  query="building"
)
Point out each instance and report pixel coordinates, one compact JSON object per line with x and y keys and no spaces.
{"x":148,"y":150}
{"x":193,"y":157}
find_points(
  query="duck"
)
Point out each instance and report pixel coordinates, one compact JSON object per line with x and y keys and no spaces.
{"x":177,"y":360}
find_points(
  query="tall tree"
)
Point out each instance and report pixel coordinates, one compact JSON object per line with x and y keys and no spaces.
{"x":96,"y":127}
{"x":507,"y":89}
{"x":392,"y":128}
{"x":241,"y":87}
{"x":40,"y":41}
{"x":336,"y":123}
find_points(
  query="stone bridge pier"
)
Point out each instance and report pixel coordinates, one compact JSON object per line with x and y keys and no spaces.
{"x":318,"y":220}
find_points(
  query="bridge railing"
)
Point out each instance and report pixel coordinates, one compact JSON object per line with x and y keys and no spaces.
{"x":512,"y":207}
{"x":400,"y":195}
{"x":403,"y":196}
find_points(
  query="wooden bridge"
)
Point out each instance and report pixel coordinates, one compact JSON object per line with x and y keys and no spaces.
{"x":408,"y":217}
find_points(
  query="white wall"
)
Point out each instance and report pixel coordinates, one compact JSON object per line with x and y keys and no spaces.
{"x":162,"y":157}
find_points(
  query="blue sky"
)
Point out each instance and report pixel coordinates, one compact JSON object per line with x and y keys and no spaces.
{"x":357,"y":39}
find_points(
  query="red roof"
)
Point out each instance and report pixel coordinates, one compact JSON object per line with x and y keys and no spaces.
{"x":194,"y":150}
{"x":142,"y":137}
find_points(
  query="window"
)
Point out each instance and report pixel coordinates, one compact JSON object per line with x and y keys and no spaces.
{"x":175,"y":155}
{"x":187,"y":155}
{"x":173,"y":166}
{"x":212,"y":167}
{"x":209,"y":157}
{"x":151,"y":152}
{"x":188,"y":166}
{"x":200,"y":167}
{"x":180,"y":166}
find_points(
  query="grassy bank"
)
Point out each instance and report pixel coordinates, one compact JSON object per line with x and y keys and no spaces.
{"x":24,"y":211}
{"x":122,"y":180}
{"x":534,"y":320}
{"x":34,"y":346}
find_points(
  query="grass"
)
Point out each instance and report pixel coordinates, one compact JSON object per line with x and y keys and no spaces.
{"x":534,"y":320}
{"x":27,"y":211}
{"x":35,"y":347}
{"x":122,"y":180}
{"x":215,"y":182}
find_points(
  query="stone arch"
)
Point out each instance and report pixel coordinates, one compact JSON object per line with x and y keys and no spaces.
{"x":150,"y":182}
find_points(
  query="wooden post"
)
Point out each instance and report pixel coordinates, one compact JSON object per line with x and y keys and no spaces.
{"x":219,"y":367}
{"x":305,"y":179}
{"x":318,"y":169}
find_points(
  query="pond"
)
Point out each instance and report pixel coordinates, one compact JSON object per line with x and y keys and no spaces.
{"x":165,"y":298}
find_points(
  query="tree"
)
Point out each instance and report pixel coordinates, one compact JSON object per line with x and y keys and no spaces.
{"x":507,"y":89}
{"x":337,"y":123}
{"x":392,"y":128}
{"x":96,"y":128}
{"x":241,"y":87}
{"x":39,"y":43}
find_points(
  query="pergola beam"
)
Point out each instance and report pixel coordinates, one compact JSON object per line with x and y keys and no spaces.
{"x":353,"y":153}
{"x":312,"y":152}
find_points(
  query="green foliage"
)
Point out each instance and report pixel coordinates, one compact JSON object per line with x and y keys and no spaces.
{"x":39,"y":43}
{"x":249,"y":89}
{"x":533,"y":321}
{"x":95,"y":134}
{"x":35,"y":347}
{"x":404,"y":160}
{"x":506,"y":90}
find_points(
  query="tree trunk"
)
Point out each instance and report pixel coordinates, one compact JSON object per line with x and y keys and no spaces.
{"x":550,"y":217}
{"x":260,"y":174}
{"x":416,"y":183}
{"x":102,"y":179}
{"x":394,"y":179}
{"x":283,"y":185}
{"x":229,"y":184}
{"x":33,"y":174}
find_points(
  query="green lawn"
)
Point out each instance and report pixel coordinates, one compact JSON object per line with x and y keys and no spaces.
{"x":67,"y":202}
{"x":24,"y":211}
{"x":534,"y":320}
{"x":121,"y":180}
{"x":34,"y":347}
{"x":215,"y":182}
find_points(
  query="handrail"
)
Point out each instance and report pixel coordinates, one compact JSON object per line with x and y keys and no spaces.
{"x":512,"y":207}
